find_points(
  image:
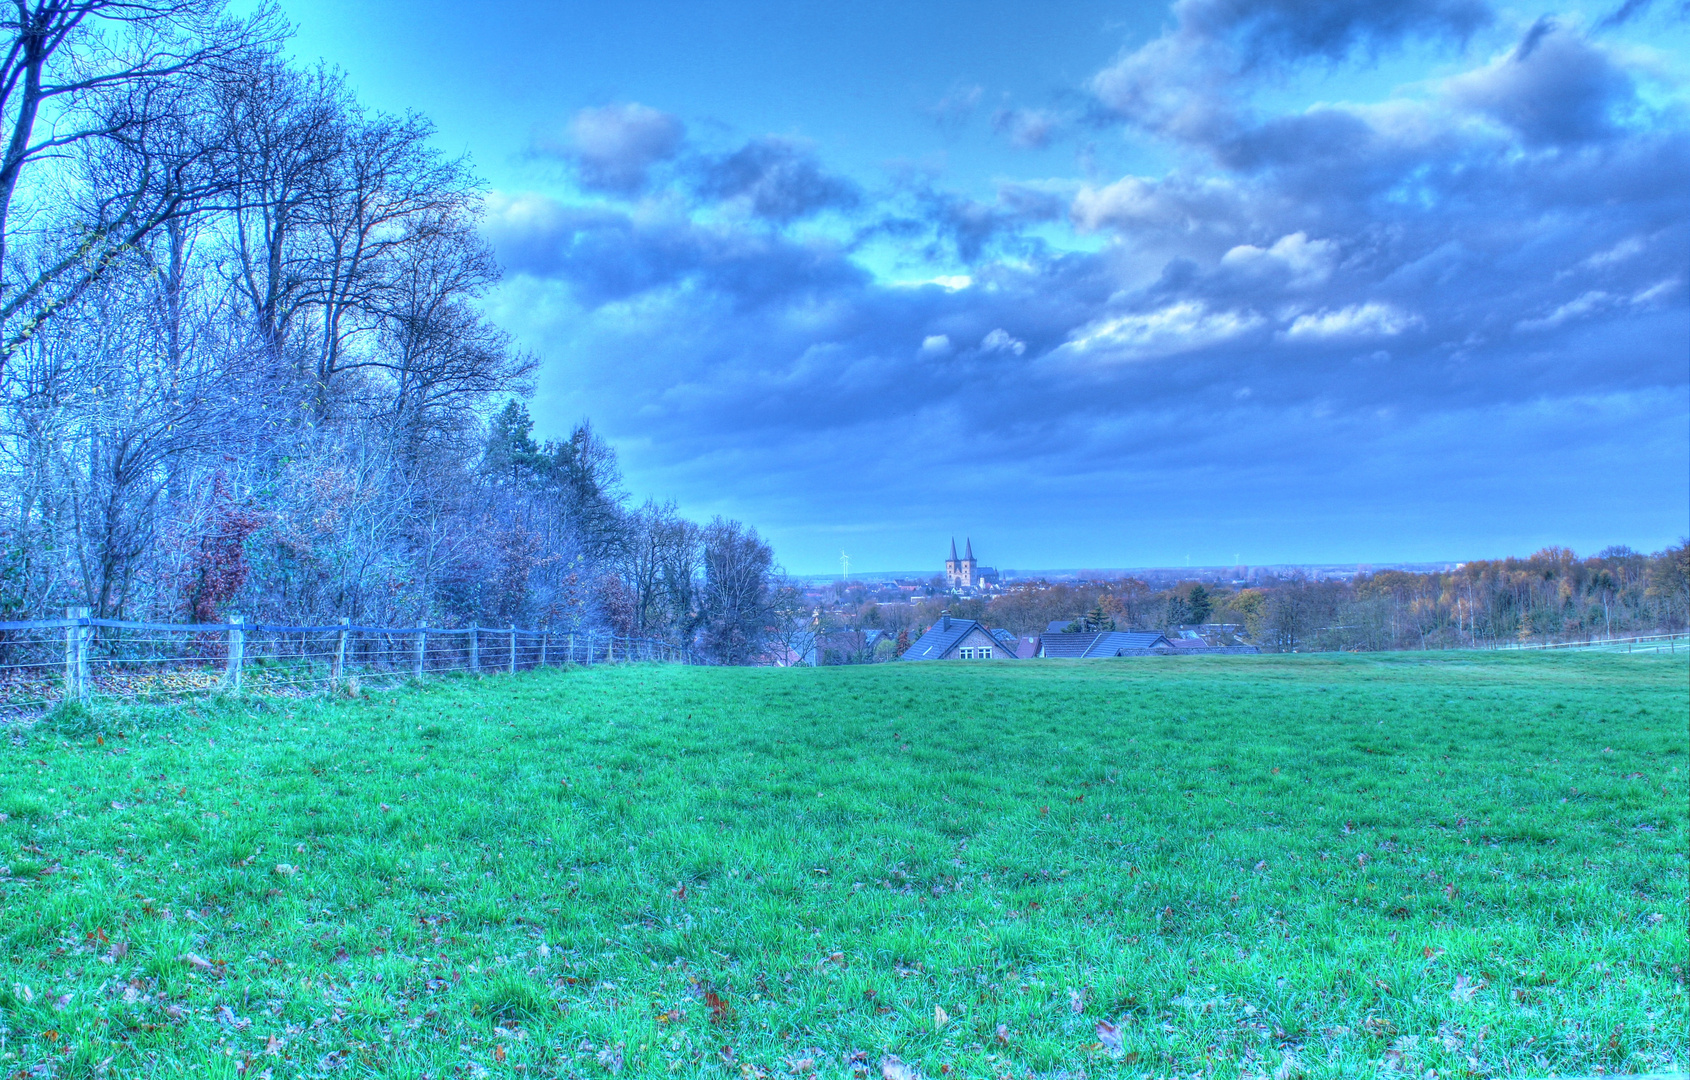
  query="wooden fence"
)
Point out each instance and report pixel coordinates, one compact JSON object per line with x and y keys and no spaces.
{"x":80,"y":658}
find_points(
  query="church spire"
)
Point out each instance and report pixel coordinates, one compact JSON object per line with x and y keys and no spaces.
{"x":953,"y":549}
{"x":970,"y":553}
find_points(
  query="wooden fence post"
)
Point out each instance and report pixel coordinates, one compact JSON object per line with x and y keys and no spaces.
{"x":572,"y":646}
{"x":237,"y":652}
{"x":76,"y":656}
{"x":475,"y":648}
{"x":339,"y":666}
{"x":421,"y":651}
{"x":545,"y":636}
{"x":589,"y":648}
{"x":512,"y":668}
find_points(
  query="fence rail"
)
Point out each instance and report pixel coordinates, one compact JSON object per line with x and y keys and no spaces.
{"x":1637,"y":643}
{"x":79,"y":658}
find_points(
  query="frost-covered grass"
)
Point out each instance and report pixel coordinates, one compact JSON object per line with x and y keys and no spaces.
{"x":1467,"y":863}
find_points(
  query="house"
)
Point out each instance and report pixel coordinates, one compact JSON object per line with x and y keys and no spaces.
{"x":958,"y":639}
{"x":1104,"y":643}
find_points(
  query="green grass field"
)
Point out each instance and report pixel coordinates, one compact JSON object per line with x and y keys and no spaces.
{"x":1306,"y":865}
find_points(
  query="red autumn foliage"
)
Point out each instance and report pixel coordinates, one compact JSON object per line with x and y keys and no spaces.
{"x":720,"y":1010}
{"x":218,"y":567}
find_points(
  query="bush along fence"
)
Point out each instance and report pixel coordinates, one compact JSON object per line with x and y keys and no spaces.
{"x":79,"y":658}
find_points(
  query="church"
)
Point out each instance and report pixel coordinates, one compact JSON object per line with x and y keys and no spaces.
{"x":966,"y":572}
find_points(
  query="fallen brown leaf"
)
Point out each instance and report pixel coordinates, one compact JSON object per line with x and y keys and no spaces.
{"x":720,"y":1010}
{"x":1465,"y":989}
{"x":1110,"y":1035}
{"x":893,"y":1068}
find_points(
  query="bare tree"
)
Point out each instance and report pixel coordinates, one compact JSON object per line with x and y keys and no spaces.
{"x":111,"y":76}
{"x":435,"y":358}
{"x":281,"y":133}
{"x":735,"y":609}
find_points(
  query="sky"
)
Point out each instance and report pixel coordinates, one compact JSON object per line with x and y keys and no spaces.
{"x":1093,"y":284}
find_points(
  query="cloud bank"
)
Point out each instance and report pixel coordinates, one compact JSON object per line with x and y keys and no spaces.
{"x":1404,"y":326}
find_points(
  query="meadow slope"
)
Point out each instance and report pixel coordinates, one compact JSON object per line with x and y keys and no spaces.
{"x":1320,"y":865}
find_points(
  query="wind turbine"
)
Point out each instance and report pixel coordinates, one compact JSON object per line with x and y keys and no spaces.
{"x":845,"y":566}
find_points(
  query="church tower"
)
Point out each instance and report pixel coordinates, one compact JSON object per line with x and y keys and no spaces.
{"x":953,"y":569}
{"x":969,"y":565}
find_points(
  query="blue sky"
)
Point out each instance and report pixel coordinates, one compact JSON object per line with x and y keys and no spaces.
{"x":1096,"y":284}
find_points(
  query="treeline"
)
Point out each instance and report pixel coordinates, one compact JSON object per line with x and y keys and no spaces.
{"x":244,"y":364}
{"x":1551,"y":596}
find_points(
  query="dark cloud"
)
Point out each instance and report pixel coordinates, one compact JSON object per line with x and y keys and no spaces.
{"x":1029,"y":129}
{"x":604,"y":255}
{"x":1554,"y":89}
{"x":1536,"y":34}
{"x":1289,"y":30}
{"x":1189,"y":84}
{"x":970,"y":227}
{"x":613,"y":146}
{"x":778,"y":179}
{"x":1635,"y":9}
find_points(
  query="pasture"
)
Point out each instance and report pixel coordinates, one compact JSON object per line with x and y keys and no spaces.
{"x":1461,"y":863}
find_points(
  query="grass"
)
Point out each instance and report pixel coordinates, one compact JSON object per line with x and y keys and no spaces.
{"x":1321,"y":865}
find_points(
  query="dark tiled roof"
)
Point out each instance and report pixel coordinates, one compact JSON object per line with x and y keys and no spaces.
{"x":1137,"y":639}
{"x":1006,"y":639}
{"x":1107,"y":643}
{"x":1067,"y":645}
{"x":1059,"y":626}
{"x":939,"y":640}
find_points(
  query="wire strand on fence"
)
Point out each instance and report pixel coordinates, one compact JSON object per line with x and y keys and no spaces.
{"x":47,"y":661}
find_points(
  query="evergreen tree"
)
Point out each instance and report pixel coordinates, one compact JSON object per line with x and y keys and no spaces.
{"x":512,"y":456}
{"x":1198,"y":605}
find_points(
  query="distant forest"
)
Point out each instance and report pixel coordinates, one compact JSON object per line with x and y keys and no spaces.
{"x":1551,"y":596}
{"x":244,"y":365}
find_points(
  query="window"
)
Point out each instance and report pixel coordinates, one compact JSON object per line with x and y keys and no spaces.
{"x":965,"y":654}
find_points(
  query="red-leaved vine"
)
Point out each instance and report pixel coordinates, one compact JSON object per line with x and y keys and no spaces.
{"x":219,"y":568}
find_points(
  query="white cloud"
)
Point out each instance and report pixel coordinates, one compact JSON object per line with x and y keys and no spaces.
{"x":1176,"y":328}
{"x":614,"y":145}
{"x":1586,"y":303}
{"x":1305,"y":262}
{"x":1596,"y":301}
{"x":1177,"y":206}
{"x":948,"y":282}
{"x":1619,"y":253}
{"x":1000,"y":341}
{"x":1657,"y":292}
{"x":936,"y":345}
{"x":1371,"y":319}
